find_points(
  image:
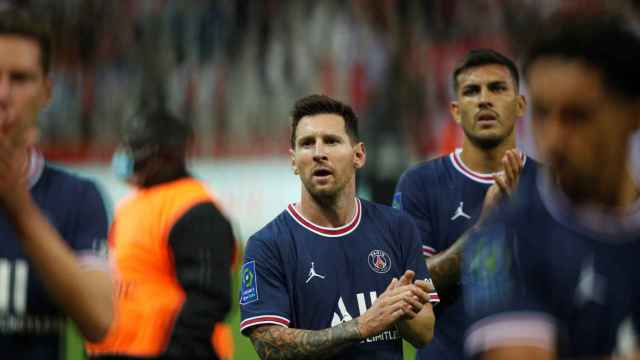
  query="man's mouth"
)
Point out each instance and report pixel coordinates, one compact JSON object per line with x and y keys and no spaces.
{"x":322,"y":173}
{"x":486,"y":117}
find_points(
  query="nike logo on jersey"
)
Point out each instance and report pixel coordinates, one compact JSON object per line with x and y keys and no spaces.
{"x":460,"y":212}
{"x":312,"y":274}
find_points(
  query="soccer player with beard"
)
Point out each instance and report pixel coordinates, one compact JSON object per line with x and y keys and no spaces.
{"x":334,"y":276}
{"x":53,"y":224}
{"x":449,"y":195}
{"x":555,"y":273}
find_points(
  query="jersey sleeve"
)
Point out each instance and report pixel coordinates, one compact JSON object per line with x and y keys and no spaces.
{"x":503,"y":295}
{"x":411,"y":198}
{"x":410,"y":235}
{"x":264,"y":296}
{"x":89,"y":235}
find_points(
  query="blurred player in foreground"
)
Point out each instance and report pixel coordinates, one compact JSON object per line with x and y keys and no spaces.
{"x":556,"y":273}
{"x":448,"y":195}
{"x":333,"y":275}
{"x":172,"y":249}
{"x":52,"y":224}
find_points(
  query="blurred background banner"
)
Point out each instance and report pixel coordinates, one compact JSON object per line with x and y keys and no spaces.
{"x":234,"y":68}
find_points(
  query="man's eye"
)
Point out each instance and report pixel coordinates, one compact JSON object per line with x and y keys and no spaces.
{"x":468,"y":92}
{"x":575,"y":116}
{"x":19,"y":77}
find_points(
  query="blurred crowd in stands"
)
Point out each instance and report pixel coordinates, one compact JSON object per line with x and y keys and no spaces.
{"x":234,"y":67}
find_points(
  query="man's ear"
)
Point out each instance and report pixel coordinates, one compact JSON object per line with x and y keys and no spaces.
{"x":292,"y":157}
{"x":359,"y":155}
{"x":454,"y":109}
{"x":521,"y":106}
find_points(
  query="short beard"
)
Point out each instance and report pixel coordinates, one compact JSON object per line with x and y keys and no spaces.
{"x":326,"y":199}
{"x":484,"y":143}
{"x":576,"y":191}
{"x":583,"y":191}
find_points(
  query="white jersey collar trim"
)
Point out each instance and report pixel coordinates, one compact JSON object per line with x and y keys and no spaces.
{"x":483,"y":178}
{"x":36,"y":167}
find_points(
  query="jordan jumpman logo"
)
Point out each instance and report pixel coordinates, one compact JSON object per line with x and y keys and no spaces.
{"x":460,"y":212}
{"x":312,"y":274}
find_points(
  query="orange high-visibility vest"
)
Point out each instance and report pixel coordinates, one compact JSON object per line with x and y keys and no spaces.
{"x":148,"y":297}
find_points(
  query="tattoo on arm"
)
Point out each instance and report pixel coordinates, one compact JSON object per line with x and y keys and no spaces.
{"x":277,"y":342}
{"x":445,"y":267}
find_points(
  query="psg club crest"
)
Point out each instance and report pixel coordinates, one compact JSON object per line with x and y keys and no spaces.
{"x":379,"y":261}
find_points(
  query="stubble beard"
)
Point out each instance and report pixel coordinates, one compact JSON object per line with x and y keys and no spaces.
{"x":487,"y":142}
{"x":325,"y":197}
{"x":584,"y":189}
{"x":574,"y":189}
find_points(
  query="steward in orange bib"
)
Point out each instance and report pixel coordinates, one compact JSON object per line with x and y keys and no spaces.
{"x":172,"y":250}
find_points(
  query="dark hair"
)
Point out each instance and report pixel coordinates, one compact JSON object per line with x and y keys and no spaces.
{"x":157,"y":142}
{"x":322,"y":104}
{"x":603,"y":42}
{"x":157,"y":127}
{"x":479,"y":57}
{"x":22,"y":22}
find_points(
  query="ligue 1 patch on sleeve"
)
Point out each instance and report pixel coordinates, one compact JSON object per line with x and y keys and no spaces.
{"x":249,"y":285}
{"x":397,"y":201}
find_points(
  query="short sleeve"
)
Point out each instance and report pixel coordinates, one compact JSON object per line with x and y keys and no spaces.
{"x":409,"y":234}
{"x":503,"y":304}
{"x":264,"y":296}
{"x":411,"y":198}
{"x":91,"y":223}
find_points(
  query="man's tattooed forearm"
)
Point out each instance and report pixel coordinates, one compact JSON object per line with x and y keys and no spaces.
{"x":277,"y":342}
{"x":445,"y":267}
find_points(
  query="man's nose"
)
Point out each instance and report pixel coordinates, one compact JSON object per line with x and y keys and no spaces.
{"x":485,"y":99}
{"x":319,"y":152}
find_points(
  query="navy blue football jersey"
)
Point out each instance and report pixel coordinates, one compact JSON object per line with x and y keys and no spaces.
{"x":445,"y":199}
{"x":31,"y":326}
{"x":543,"y":274}
{"x":301,"y":275}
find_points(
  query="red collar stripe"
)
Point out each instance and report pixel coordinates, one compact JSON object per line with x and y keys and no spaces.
{"x":326,"y":231}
